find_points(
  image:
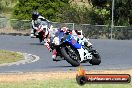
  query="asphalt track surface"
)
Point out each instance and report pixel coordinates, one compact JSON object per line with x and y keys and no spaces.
{"x":116,"y":54}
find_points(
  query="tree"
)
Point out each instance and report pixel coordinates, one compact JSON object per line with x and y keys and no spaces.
{"x":99,"y":3}
{"x":50,"y":9}
{"x":122,"y":10}
{"x":76,"y":14}
{"x":0,"y":6}
{"x":7,"y":5}
{"x":101,"y":12}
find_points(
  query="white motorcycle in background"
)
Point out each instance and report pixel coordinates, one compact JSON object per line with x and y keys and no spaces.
{"x":41,"y":32}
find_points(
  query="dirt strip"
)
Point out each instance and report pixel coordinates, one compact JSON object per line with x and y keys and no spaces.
{"x":14,"y":32}
{"x":20,"y":77}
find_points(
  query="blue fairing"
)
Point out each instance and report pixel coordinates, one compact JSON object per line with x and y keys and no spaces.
{"x":70,"y":39}
{"x":60,"y":35}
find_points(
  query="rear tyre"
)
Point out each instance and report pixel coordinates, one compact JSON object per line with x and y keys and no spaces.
{"x":71,"y":56}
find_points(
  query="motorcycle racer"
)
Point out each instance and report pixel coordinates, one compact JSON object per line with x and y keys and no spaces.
{"x":37,"y":23}
{"x":55,"y":40}
{"x":63,"y":31}
{"x":38,"y":20}
{"x":84,"y":39}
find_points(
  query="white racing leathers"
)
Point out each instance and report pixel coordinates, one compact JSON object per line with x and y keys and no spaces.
{"x":36,"y":23}
{"x":85,"y":40}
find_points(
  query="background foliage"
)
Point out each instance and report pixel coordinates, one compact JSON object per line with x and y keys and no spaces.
{"x":122,"y":11}
{"x":63,"y":11}
{"x":48,"y":8}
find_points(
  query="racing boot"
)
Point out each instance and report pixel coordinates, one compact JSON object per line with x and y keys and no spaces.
{"x":54,"y":55}
{"x":47,"y":46}
{"x":32,"y":35}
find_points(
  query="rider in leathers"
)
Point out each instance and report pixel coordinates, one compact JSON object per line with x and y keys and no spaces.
{"x":64,"y":30}
{"x":38,"y":20}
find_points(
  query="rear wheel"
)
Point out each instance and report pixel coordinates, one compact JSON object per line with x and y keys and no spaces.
{"x":71,"y":55}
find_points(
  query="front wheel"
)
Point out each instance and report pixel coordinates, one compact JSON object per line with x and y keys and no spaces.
{"x":40,"y":36}
{"x":71,"y":56}
{"x":96,"y":59}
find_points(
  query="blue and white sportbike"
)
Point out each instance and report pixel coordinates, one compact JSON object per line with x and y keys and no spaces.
{"x":72,"y":49}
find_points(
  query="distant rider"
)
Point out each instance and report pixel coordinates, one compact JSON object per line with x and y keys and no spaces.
{"x":38,"y":20}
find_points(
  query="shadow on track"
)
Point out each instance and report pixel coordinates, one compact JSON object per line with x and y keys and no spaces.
{"x":36,"y":44}
{"x":68,"y":66}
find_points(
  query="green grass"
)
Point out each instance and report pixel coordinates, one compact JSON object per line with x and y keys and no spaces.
{"x":66,"y":83}
{"x":8,"y":56}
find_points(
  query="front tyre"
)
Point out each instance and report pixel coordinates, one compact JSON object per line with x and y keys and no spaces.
{"x":96,"y":59}
{"x":71,"y":56}
{"x":40,"y":36}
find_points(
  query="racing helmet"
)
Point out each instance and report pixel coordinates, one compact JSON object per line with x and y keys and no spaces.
{"x":35,"y":15}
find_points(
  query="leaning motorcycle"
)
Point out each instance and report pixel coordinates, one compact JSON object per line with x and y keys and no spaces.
{"x":72,"y":49}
